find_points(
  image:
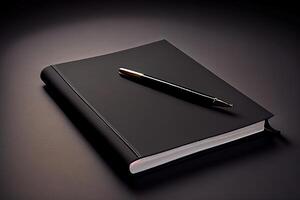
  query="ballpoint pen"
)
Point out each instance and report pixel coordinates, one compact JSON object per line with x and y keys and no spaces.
{"x":174,"y":89}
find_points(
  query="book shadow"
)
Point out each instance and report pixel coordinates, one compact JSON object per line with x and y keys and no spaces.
{"x":208,"y":160}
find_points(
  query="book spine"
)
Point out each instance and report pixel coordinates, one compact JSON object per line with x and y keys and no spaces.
{"x":58,"y":85}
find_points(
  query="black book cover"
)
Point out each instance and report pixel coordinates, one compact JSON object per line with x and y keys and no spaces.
{"x":139,"y":121}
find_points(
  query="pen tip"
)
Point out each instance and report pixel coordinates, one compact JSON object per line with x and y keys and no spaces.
{"x":222,"y":103}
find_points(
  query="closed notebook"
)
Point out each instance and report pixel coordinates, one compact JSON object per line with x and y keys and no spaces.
{"x":145,"y":126}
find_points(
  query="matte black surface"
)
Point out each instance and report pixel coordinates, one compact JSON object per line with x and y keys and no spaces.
{"x":147,"y":120}
{"x":97,"y":125}
{"x":47,"y":153}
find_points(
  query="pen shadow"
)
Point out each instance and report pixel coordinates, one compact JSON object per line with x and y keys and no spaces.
{"x":208,"y":160}
{"x":183,"y":95}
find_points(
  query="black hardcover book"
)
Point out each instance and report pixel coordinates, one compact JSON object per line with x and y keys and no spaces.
{"x":145,"y":126}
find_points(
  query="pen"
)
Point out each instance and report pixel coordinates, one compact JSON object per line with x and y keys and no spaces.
{"x":172,"y":88}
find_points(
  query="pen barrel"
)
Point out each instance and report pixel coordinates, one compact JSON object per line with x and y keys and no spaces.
{"x":173,"y":89}
{"x":176,"y":90}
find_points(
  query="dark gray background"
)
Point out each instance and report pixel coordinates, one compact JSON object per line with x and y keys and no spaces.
{"x":252,"y":46}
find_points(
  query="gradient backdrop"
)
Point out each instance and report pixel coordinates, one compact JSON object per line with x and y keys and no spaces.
{"x":254,"y":46}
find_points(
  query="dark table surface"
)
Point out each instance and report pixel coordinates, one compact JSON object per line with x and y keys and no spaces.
{"x":46,"y":155}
